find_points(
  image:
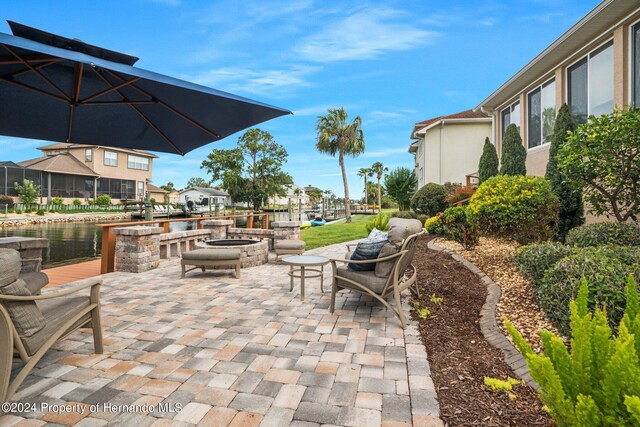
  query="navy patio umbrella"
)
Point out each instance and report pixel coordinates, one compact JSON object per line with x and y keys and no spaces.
{"x":59,"y":89}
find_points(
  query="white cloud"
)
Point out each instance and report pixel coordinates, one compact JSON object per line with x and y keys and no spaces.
{"x":386,"y":152}
{"x":365,"y":34}
{"x":386,"y":115}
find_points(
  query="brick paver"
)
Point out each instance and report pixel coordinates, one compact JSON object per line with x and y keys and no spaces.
{"x":214,"y":350}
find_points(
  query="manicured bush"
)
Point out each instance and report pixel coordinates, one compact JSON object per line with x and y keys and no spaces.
{"x":430,"y":199}
{"x":6,"y":200}
{"x":533,"y":260}
{"x":18,"y":211}
{"x":380,"y":221}
{"x":606,"y":269}
{"x":57,"y":201}
{"x":571,"y":213}
{"x":596,"y":381}
{"x":404,"y":214}
{"x":514,"y":154}
{"x":522,"y":208}
{"x":77,"y":202}
{"x":28,"y":192}
{"x":605,"y":233}
{"x":488,"y":166}
{"x":40,"y":212}
{"x":103,"y":200}
{"x":459,"y":194}
{"x":456,"y":226}
{"x":433,"y":225}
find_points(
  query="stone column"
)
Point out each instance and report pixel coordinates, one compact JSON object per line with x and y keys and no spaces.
{"x":286,"y":230}
{"x":218,"y":227}
{"x":137,"y":248}
{"x":30,"y":249}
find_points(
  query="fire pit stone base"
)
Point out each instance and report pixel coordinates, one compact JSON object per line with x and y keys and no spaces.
{"x":251,"y":255}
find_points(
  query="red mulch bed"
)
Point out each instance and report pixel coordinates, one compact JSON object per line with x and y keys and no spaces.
{"x":459,"y":355}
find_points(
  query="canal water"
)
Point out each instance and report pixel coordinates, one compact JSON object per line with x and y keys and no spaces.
{"x":74,"y":242}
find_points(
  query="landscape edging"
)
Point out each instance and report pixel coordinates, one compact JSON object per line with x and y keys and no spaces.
{"x":488,"y":323}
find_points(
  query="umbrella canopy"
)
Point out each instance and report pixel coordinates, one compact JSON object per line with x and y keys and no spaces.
{"x":59,"y":89}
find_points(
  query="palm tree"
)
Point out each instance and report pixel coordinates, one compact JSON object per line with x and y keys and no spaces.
{"x":365,"y":173}
{"x":335,"y":135}
{"x":379,"y":169}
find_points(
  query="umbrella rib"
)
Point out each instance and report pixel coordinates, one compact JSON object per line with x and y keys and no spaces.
{"x":42,"y":76}
{"x":27,"y":70}
{"x":170,"y":108}
{"x":30,"y":58}
{"x":111,"y":89}
{"x":77,"y":83}
{"x":120,"y":103}
{"x":133,"y":107}
{"x":35,"y":89}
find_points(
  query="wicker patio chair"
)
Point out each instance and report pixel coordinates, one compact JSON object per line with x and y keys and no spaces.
{"x":394,"y":271}
{"x":30,"y":324}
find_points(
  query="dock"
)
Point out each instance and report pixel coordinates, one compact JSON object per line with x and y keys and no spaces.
{"x":72,"y":272}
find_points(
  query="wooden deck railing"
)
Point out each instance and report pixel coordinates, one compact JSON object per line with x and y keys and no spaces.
{"x":109,"y":239}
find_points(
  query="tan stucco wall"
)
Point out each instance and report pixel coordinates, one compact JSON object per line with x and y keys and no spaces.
{"x":453,"y":151}
{"x":537,"y":161}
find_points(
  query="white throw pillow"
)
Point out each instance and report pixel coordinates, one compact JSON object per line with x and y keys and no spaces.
{"x":377,"y":235}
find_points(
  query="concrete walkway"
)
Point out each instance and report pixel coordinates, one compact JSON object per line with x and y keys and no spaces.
{"x":213,"y":350}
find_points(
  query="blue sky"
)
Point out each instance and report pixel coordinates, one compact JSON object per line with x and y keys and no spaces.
{"x":393,"y":63}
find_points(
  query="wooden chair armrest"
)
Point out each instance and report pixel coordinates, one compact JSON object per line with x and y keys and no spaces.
{"x":92,"y":283}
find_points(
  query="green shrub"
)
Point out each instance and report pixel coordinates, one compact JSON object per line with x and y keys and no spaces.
{"x":533,"y":260}
{"x":40,"y":212}
{"x":77,"y":202}
{"x":456,"y":226}
{"x":380,"y":221}
{"x":6,"y":200}
{"x":103,"y":200}
{"x":18,"y":211}
{"x":514,"y":155}
{"x":57,"y":201}
{"x":606,"y":269}
{"x":597,"y":381}
{"x":433,"y":225}
{"x":430,"y":199}
{"x":488,"y":165}
{"x":605,"y":233}
{"x":404,"y":215}
{"x":28,"y":192}
{"x":522,"y":208}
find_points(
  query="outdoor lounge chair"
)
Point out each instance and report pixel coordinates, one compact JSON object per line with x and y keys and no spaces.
{"x":30,"y":324}
{"x":393,"y":269}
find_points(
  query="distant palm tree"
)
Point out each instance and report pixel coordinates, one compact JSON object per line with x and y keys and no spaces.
{"x":335,"y":135}
{"x":379,"y":169}
{"x":365,"y":173}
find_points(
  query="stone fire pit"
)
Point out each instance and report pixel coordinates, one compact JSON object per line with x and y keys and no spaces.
{"x":252,"y":252}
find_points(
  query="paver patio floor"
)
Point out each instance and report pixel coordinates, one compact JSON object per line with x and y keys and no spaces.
{"x":236,"y":352}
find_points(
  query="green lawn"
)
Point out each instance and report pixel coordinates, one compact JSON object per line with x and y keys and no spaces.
{"x":316,"y":237}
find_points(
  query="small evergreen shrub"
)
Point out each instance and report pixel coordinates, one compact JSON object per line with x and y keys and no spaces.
{"x":404,"y":215}
{"x":488,"y":166}
{"x":456,"y":226}
{"x":6,"y":200}
{"x":40,"y":212}
{"x":522,"y":208}
{"x":606,"y":269}
{"x":597,"y":381}
{"x":77,"y":202}
{"x":380,"y":221}
{"x":430,"y":199}
{"x":103,"y":200}
{"x":433,"y":225}
{"x":605,"y":233}
{"x":57,"y":201}
{"x":514,"y":154}
{"x":18,"y":211}
{"x":533,"y":260}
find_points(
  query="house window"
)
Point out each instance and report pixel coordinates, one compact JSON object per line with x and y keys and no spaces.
{"x":635,"y":46}
{"x":110,"y":158}
{"x":590,"y":84}
{"x":88,"y":155}
{"x":140,"y":188}
{"x":137,"y":162}
{"x":511,"y":115}
{"x":541,"y":114}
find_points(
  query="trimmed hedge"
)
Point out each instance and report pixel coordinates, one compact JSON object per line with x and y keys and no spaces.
{"x":522,"y":208}
{"x":532,"y":261}
{"x":433,"y":225}
{"x":456,"y":226}
{"x":605,"y":233}
{"x":430,"y":199}
{"x":606,"y":269}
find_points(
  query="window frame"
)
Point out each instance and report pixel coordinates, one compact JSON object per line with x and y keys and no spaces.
{"x":133,"y":162}
{"x":540,"y":87}
{"x":587,"y":55}
{"x":509,"y":107}
{"x":104,"y":160}
{"x":88,"y":155}
{"x":140,"y":188}
{"x":633,"y":93}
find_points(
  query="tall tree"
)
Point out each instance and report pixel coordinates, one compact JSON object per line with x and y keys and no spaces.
{"x":372,"y":190}
{"x":252,"y":171}
{"x":571,"y":206}
{"x":337,"y":136}
{"x":196,"y":181}
{"x":168,"y":187}
{"x":400,"y":184}
{"x":379,"y":169}
{"x":514,"y":154}
{"x":315,"y":195}
{"x":488,"y":166}
{"x":365,"y":173}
